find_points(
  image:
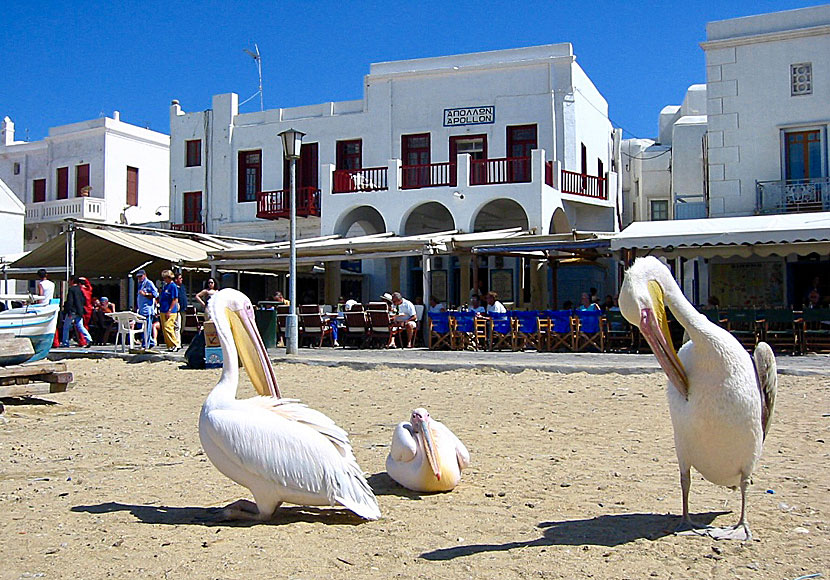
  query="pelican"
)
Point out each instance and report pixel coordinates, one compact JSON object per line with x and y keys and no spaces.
{"x":425,"y":455}
{"x":720,"y":402}
{"x":278,"y":448}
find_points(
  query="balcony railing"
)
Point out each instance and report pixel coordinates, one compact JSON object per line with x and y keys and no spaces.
{"x":496,"y":171}
{"x":192,"y":227}
{"x":90,"y":208}
{"x":272,"y":205}
{"x":366,"y":179}
{"x":792,"y":195}
{"x":583,"y":184}
{"x":429,"y":175}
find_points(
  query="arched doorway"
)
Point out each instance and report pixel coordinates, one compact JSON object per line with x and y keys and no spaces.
{"x":428,"y":218}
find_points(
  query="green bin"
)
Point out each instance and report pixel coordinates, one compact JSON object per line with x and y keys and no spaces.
{"x":266,"y":323}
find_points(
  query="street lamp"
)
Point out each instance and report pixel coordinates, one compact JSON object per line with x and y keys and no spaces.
{"x":292,"y":141}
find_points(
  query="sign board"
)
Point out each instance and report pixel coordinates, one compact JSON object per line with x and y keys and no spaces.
{"x":470,"y":116}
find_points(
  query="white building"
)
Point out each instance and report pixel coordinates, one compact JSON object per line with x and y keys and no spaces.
{"x":470,"y":142}
{"x":104,"y":170}
{"x":760,"y":149}
{"x":12,"y":214}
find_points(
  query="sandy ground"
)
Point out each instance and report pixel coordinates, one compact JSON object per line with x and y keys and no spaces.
{"x":573,"y":476}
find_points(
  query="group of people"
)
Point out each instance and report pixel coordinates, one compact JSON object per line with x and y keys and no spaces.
{"x":81,"y":310}
{"x":165,"y":309}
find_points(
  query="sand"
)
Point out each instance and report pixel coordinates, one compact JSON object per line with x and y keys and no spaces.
{"x":573,"y":476}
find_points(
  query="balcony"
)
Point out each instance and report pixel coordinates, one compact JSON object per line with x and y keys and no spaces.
{"x":792,"y":195}
{"x":584,"y":184}
{"x":88,"y":208}
{"x":272,"y":205}
{"x":191,"y":227}
{"x":355,"y":180}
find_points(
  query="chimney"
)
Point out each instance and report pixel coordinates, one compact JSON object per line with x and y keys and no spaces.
{"x":7,"y":131}
{"x":116,"y":115}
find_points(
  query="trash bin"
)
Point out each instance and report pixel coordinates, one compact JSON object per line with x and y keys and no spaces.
{"x":266,"y":323}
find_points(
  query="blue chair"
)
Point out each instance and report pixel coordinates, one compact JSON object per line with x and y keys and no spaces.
{"x":503,"y":332}
{"x":588,"y":331}
{"x":440,"y":334}
{"x":561,"y":330}
{"x":462,"y":330}
{"x":529,"y":329}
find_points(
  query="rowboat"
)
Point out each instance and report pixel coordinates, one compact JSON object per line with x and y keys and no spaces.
{"x":37,"y":322}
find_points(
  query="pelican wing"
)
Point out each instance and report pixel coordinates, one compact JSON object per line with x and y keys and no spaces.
{"x":461,"y":453}
{"x":292,"y":454}
{"x":767,"y":375}
{"x":404,"y":446}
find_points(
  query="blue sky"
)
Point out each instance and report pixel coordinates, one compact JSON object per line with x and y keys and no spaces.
{"x":65,"y":62}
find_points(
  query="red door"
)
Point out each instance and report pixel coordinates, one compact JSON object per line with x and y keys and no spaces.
{"x":132,"y":186}
{"x":521,"y":140}
{"x":63,"y":182}
{"x":81,"y":178}
{"x":415,"y":153}
{"x":307,"y":183}
{"x":192,"y":207}
{"x":476,"y":147}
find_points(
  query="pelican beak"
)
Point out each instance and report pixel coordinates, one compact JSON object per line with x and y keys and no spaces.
{"x":429,"y":449}
{"x":252,"y":352}
{"x":655,"y":328}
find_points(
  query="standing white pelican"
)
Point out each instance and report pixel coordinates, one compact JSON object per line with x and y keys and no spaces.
{"x":425,"y":455}
{"x":720,"y":404}
{"x":279,"y":449}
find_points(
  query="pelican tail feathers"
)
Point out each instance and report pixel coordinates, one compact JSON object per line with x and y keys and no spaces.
{"x":767,"y":373}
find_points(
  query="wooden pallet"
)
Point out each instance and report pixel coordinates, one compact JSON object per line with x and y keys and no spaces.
{"x":36,"y":378}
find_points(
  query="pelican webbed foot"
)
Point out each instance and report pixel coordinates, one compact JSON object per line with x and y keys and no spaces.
{"x":739,"y":531}
{"x":243,"y":509}
{"x":689,"y":527}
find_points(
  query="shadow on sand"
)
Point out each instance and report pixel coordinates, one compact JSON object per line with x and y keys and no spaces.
{"x":382,"y":484}
{"x":607,"y":530}
{"x":199,"y":516}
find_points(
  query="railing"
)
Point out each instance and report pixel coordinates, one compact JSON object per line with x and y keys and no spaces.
{"x":792,"y":195}
{"x":582,"y":184}
{"x":429,"y":175}
{"x":192,"y":227}
{"x":91,"y":208}
{"x":271,"y":205}
{"x":496,"y":171}
{"x":366,"y":179}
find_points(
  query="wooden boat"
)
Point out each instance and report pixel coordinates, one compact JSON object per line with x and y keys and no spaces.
{"x":37,"y":322}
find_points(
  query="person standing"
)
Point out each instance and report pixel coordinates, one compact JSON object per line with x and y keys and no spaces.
{"x":203,"y":297}
{"x":179,"y":280}
{"x":45,"y":287}
{"x":73,"y":310}
{"x":169,"y":310}
{"x":145,"y":303}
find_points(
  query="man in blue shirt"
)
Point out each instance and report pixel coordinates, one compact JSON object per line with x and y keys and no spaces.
{"x":146,"y":304}
{"x":169,"y":311}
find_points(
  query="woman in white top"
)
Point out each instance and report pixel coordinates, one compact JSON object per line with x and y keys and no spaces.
{"x":203,"y":297}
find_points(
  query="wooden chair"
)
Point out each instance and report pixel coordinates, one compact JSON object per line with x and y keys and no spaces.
{"x":282,"y":316}
{"x":529,"y":334}
{"x":815,"y":329}
{"x":310,"y":309}
{"x":587,"y":331}
{"x":481,"y":332}
{"x":356,"y":329}
{"x":742,"y":323}
{"x":462,"y":331}
{"x":618,"y":335}
{"x":561,"y":330}
{"x":316,"y":329}
{"x":504,"y":332}
{"x":192,"y":323}
{"x":440,"y":335}
{"x":127,"y":331}
{"x":382,"y":326}
{"x":779,"y":329}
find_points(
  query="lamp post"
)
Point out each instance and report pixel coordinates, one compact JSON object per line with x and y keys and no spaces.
{"x":292,"y":141}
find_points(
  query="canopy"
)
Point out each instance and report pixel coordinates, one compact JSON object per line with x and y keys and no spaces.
{"x":116,"y":251}
{"x":765,"y":235}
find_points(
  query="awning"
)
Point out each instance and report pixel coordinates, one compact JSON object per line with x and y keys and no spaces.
{"x":765,"y":235}
{"x":111,"y":251}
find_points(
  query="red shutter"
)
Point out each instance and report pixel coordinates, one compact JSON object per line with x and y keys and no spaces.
{"x":81,"y":178}
{"x":38,"y":190}
{"x":132,"y":186}
{"x":63,"y":182}
{"x":192,"y":207}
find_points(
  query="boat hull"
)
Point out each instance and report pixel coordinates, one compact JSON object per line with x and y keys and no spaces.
{"x":35,"y":322}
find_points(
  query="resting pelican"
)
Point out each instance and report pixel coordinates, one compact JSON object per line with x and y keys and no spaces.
{"x":720,"y":404}
{"x":278,"y":448}
{"x":425,"y":455}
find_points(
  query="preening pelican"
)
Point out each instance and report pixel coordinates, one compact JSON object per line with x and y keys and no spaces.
{"x":720,"y":403}
{"x":425,"y":455}
{"x":278,"y":448}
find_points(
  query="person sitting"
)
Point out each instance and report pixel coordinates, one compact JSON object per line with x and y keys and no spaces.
{"x":586,"y":303}
{"x":493,"y":305}
{"x":280,"y":299}
{"x":102,"y":326}
{"x":405,"y":317}
{"x":475,"y":305}
{"x":387,"y":297}
{"x":436,"y":306}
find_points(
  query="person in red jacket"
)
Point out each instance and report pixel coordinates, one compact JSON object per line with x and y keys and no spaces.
{"x":86,"y":288}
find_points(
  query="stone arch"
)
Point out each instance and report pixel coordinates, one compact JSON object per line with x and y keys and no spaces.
{"x":500,"y":214}
{"x":559,"y":222}
{"x":428,"y":218}
{"x":359,"y":221}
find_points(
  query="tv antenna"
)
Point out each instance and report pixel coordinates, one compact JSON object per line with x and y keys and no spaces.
{"x":254,"y":54}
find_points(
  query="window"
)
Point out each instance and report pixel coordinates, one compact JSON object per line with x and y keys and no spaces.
{"x":38,"y":190}
{"x":62,"y":179}
{"x":600,"y":168}
{"x":81,"y":180}
{"x":659,"y":209}
{"x":249,"y":172}
{"x":521,"y":140}
{"x":476,"y":147}
{"x":415,"y":153}
{"x":350,"y":154}
{"x":802,"y":154}
{"x":801,"y":77}
{"x":132,"y":186}
{"x":193,"y":153}
{"x":192,"y":207}
{"x":16,"y":168}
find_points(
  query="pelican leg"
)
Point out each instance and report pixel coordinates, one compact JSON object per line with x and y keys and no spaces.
{"x":687,"y":526}
{"x":244,"y":509}
{"x":739,"y":531}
